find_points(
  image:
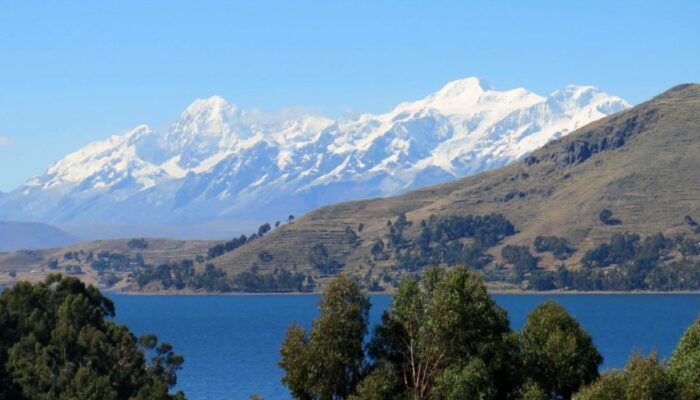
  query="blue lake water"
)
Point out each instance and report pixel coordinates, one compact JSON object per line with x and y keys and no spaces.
{"x":230,"y":343}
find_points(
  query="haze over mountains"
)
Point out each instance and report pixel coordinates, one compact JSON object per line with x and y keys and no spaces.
{"x":30,"y":235}
{"x":220,"y":163}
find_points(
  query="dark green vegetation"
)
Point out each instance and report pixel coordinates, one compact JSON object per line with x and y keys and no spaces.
{"x":444,"y":338}
{"x":184,"y":275}
{"x":57,"y":341}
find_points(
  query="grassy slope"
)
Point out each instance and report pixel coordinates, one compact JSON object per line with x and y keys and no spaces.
{"x":650,"y":183}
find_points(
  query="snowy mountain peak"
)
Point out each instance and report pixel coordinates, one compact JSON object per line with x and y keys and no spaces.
{"x":462,"y":87}
{"x":574,"y":97}
{"x":218,"y":162}
{"x":471,"y":96}
{"x":207,"y":117}
{"x":211,"y":108}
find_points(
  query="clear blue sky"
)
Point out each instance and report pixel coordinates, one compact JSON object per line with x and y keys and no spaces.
{"x":74,"y":72}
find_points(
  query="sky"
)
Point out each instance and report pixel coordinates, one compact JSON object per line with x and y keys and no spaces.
{"x":75,"y":72}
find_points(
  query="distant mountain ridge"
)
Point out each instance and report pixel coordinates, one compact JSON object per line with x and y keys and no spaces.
{"x":16,"y":235}
{"x":218,"y":162}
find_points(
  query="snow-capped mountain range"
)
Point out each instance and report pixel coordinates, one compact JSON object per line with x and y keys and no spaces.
{"x":220,"y":163}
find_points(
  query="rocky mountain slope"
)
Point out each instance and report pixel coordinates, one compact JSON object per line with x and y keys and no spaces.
{"x":220,"y":163}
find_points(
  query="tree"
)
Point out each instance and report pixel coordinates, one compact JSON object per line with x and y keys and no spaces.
{"x":321,"y":260}
{"x":558,"y":353}
{"x":684,"y":365}
{"x":57,"y":342}
{"x":648,"y":379}
{"x":642,"y":378}
{"x":381,"y":383}
{"x":520,"y":257}
{"x":606,"y":217}
{"x":140,"y":243}
{"x":559,"y":246}
{"x":264,"y":228}
{"x":296,"y":363}
{"x":290,"y":219}
{"x":611,"y":386}
{"x":328,"y":362}
{"x":446,"y":337}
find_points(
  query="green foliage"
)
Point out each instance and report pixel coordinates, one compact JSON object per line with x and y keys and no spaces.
{"x":321,"y":260}
{"x":278,"y":281}
{"x":628,"y":263}
{"x":473,"y":381}
{"x":684,"y":365}
{"x":611,"y":386}
{"x":183,"y":275}
{"x":452,"y":240}
{"x":264,"y":229}
{"x":377,"y":250}
{"x":140,"y":243}
{"x":642,"y":379}
{"x":227,"y":247}
{"x":381,"y":383}
{"x":57,"y":343}
{"x":437,"y":332}
{"x":531,"y":391}
{"x":297,"y":363}
{"x":558,"y":353}
{"x":558,"y":246}
{"x":176,"y":275}
{"x":265,"y":256}
{"x":328,"y":362}
{"x":606,"y":217}
{"x":106,"y":261}
{"x":351,"y":237}
{"x":520,"y":257}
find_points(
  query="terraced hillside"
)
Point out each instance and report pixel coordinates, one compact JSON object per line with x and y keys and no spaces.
{"x":635,"y":171}
{"x":116,"y":257}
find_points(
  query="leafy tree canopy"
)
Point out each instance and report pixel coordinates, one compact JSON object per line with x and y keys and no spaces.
{"x":58,"y":342}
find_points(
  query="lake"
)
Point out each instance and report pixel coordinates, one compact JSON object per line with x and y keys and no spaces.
{"x":230,"y":343}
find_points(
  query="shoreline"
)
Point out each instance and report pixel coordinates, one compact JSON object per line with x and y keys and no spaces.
{"x":491,"y":292}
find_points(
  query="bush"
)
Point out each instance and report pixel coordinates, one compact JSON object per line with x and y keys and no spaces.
{"x":137,"y":244}
{"x":606,"y":217}
{"x":321,"y":260}
{"x":558,"y":246}
{"x":520,"y":257}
